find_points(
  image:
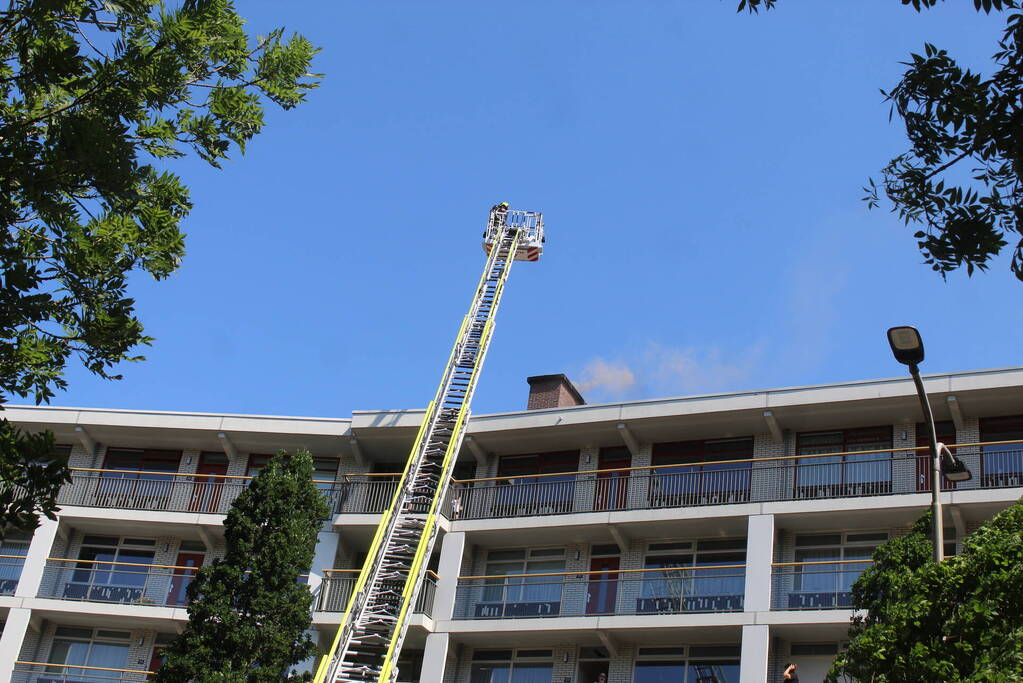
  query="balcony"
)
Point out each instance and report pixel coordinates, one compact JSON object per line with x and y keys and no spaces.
{"x":40,"y":672}
{"x":209,"y":494}
{"x":336,"y":589}
{"x":123,"y":583}
{"x":681,"y":590}
{"x":10,"y":573}
{"x":814,"y":585}
{"x":807,"y":477}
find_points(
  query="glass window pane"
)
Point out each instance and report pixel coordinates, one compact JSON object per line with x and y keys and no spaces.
{"x":659,"y":672}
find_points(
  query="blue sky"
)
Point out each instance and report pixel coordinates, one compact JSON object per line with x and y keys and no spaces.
{"x":699,"y":172}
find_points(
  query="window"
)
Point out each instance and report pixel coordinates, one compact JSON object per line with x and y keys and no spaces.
{"x":827,"y":582}
{"x":851,"y":474}
{"x":677,"y":585}
{"x":324,"y":474}
{"x":508,"y":666}
{"x":532,"y":494}
{"x":324,"y":469}
{"x":84,"y":647}
{"x":1001,"y":465}
{"x":687,"y":665}
{"x":725,"y":480}
{"x":522,"y":596}
{"x":144,"y":480}
{"x":13,"y":550}
{"x":100,"y":575}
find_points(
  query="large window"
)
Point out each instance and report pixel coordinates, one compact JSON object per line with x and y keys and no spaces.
{"x":111,"y":569}
{"x":13,"y":550}
{"x":324,"y":474}
{"x":1002,"y":465}
{"x":83,"y":647}
{"x":522,"y":596}
{"x":536,"y":494}
{"x":512,"y":666}
{"x":143,"y":477}
{"x":725,"y":479}
{"x":678,"y":584}
{"x":849,"y":474}
{"x":835,"y":561}
{"x":693,"y":664}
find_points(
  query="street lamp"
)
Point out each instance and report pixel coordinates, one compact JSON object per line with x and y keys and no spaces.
{"x":908,"y":348}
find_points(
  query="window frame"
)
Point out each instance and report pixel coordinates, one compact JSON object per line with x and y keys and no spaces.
{"x":821,"y":485}
{"x":678,"y":478}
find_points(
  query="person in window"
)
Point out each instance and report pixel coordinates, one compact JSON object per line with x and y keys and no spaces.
{"x":790,"y":675}
{"x":601,"y":678}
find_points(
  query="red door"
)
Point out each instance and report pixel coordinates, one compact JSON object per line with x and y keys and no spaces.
{"x":182,"y":576}
{"x":946,"y":435}
{"x":602,"y":590}
{"x":612,"y":488}
{"x":155,"y":662}
{"x":206,"y":490}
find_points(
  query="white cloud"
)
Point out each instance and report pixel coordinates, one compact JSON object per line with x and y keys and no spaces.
{"x":611,"y":378}
{"x":659,"y":370}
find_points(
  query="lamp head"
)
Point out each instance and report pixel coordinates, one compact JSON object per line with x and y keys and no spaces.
{"x":952,"y":467}
{"x":907,"y":346}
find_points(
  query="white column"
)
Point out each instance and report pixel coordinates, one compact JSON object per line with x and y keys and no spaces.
{"x":759,"y":556}
{"x":756,"y":641}
{"x":435,"y":657}
{"x":450,"y":566}
{"x":35,"y":561}
{"x":15,"y":629}
{"x":326,"y":551}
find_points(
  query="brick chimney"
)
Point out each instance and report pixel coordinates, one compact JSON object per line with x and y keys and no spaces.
{"x":552,"y":391}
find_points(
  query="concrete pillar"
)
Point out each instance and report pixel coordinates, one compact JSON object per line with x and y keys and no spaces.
{"x":759,"y":556}
{"x":435,"y":658}
{"x":35,"y":561}
{"x":451,"y":549}
{"x":15,"y":629}
{"x":326,"y":551}
{"x":756,"y":641}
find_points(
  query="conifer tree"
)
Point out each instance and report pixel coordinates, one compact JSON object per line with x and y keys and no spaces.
{"x":249,"y":611}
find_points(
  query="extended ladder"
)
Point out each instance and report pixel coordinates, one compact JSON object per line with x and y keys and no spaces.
{"x":368,"y":641}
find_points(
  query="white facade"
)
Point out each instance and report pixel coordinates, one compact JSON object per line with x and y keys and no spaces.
{"x":700,"y":539}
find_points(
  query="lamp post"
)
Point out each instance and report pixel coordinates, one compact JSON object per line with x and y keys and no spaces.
{"x":908,"y":348}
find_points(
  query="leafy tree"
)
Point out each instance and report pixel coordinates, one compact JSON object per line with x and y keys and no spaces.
{"x":248,"y":612}
{"x":958,"y":621}
{"x":96,"y":97}
{"x":961,"y":181}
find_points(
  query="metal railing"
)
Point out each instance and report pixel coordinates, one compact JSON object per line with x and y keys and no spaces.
{"x":41,"y":672}
{"x":10,"y":573}
{"x":674,"y":590}
{"x":208,"y":493}
{"x":336,"y":588}
{"x":116,"y":582}
{"x":802,"y":477}
{"x":815,"y":585}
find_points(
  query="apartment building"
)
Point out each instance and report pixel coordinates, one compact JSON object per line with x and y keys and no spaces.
{"x":702,"y":539}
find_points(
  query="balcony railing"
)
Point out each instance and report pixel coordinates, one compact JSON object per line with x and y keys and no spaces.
{"x":814,"y":585}
{"x":10,"y":573}
{"x":116,"y":582}
{"x":337,"y":588}
{"x":209,"y":493}
{"x":803,"y":477}
{"x":40,"y":672}
{"x":675,"y":590}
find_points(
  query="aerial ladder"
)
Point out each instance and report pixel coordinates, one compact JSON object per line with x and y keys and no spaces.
{"x":374,"y":623}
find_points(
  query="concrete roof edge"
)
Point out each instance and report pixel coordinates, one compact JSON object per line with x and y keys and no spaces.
{"x":174,"y":413}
